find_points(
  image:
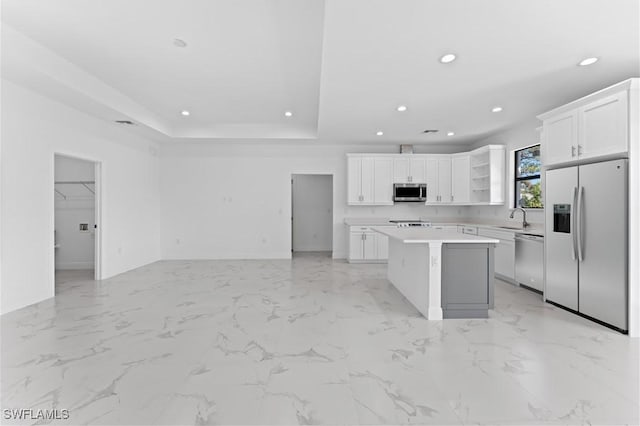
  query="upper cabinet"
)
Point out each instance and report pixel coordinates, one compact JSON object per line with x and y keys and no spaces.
{"x":487,"y":175}
{"x":409,"y":169}
{"x":593,"y":127}
{"x":561,"y":137}
{"x":438,"y":179}
{"x":475,"y":177}
{"x":369,"y":180}
{"x":603,"y":126}
{"x":460,"y":178}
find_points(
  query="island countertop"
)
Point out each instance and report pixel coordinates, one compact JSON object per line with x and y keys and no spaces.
{"x":425,"y":235}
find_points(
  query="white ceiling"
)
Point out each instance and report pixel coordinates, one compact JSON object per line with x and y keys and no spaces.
{"x":341,"y":66}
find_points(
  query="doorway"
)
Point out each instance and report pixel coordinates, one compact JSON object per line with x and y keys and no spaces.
{"x":76,"y":220}
{"x":311,"y":213}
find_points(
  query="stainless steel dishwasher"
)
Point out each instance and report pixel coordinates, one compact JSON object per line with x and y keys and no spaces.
{"x":530,"y":261}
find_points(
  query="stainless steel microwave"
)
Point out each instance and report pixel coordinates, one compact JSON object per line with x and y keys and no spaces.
{"x":410,"y":192}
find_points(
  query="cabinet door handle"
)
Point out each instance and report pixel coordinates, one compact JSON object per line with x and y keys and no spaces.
{"x":452,"y":198}
{"x":579,"y":150}
{"x":573,"y":151}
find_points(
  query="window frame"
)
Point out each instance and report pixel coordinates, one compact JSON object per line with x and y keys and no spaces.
{"x":517,"y":179}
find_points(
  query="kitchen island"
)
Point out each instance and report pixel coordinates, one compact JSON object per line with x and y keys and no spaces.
{"x":444,"y":274}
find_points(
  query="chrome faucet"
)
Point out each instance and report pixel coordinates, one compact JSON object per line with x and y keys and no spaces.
{"x":524,"y":216}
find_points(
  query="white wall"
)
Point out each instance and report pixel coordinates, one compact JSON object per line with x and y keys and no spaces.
{"x":33,"y":129}
{"x":75,"y":248}
{"x":520,"y":136}
{"x":233,"y":200}
{"x":312,"y":212}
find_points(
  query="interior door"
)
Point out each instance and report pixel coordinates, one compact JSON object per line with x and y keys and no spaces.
{"x":603,"y":239}
{"x":561,"y":271}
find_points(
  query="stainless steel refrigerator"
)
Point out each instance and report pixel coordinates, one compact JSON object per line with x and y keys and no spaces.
{"x":586,"y":243}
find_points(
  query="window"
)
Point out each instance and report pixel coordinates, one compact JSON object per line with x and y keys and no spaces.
{"x":528,"y":191}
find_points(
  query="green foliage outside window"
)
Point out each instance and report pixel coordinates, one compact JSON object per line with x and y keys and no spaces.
{"x":528,"y":190}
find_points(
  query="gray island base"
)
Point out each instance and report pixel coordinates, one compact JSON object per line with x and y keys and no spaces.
{"x":443,"y":274}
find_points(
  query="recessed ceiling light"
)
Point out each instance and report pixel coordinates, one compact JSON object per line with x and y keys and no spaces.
{"x":288,"y":114}
{"x":449,"y":57}
{"x":185,"y":112}
{"x":588,"y":61}
{"x":402,"y":108}
{"x":178,"y":42}
{"x":379,"y":133}
{"x":496,"y":109}
{"x":450,"y":134}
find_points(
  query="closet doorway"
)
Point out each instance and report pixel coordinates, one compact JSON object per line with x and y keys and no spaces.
{"x":76,"y":221}
{"x":312,"y":214}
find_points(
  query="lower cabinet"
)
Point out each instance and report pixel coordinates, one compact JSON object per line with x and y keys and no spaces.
{"x":504,"y":254}
{"x":467,"y":292}
{"x":453,"y":228}
{"x":367,"y":246}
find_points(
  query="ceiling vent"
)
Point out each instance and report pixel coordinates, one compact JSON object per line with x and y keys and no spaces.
{"x":127,"y":122}
{"x":430,"y":131}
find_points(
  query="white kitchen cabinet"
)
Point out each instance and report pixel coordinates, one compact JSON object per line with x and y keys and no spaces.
{"x":460,"y":178}
{"x":476,"y":177}
{"x":452,"y":228}
{"x":382,"y":247}
{"x":505,"y":259}
{"x":360,"y":180}
{"x":382,"y":181}
{"x":603,"y":127}
{"x":593,"y":127}
{"x":444,"y":179}
{"x":471,"y":230}
{"x":369,"y":180}
{"x":409,"y":169}
{"x":367,"y":246}
{"x":560,"y":135}
{"x":487,"y":175}
{"x":504,"y":253}
{"x":438,"y":177}
{"x":356,"y":246}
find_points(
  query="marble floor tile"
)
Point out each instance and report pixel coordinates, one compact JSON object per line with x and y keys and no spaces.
{"x":306,"y":341}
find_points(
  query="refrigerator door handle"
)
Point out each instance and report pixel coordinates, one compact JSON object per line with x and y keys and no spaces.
{"x":579,"y":223}
{"x":573,"y":233}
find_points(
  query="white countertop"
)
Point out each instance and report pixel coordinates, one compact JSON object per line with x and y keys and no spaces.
{"x":382,"y":221}
{"x":366,"y":221}
{"x":419,"y":235}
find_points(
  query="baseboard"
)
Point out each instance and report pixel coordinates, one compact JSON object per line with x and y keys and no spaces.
{"x":506,"y":279}
{"x":74,"y":265}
